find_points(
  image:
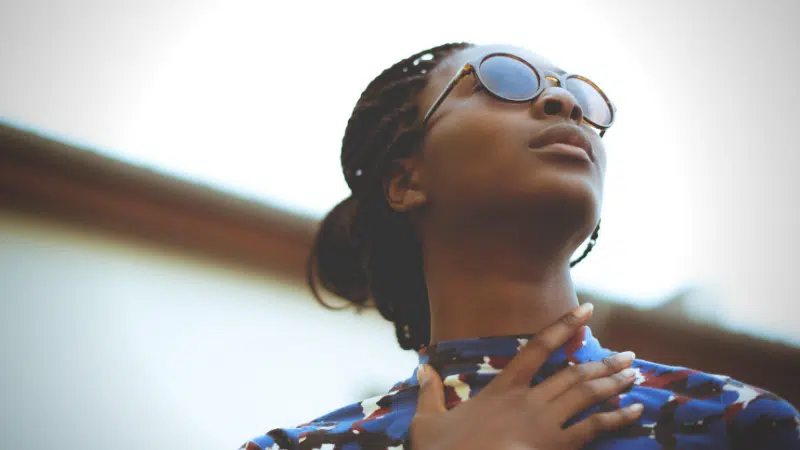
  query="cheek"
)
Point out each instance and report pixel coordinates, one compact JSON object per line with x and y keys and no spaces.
{"x":470,"y":152}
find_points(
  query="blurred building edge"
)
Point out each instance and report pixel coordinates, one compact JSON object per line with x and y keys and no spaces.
{"x":59,"y":182}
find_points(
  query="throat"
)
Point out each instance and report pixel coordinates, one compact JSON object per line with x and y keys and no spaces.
{"x":496,"y":304}
{"x":496,"y":282}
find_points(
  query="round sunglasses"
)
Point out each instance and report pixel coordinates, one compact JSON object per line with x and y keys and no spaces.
{"x":513,"y":79}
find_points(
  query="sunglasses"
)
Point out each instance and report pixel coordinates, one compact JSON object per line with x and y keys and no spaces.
{"x":512,"y":79}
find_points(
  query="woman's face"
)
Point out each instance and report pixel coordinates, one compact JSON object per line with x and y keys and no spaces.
{"x":481,"y":159}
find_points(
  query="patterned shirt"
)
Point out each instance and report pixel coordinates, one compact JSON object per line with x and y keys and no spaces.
{"x":683,"y":408}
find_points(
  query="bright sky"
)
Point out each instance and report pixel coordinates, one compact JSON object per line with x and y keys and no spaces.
{"x":253,"y":97}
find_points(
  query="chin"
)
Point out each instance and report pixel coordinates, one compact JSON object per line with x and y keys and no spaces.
{"x":565,"y":200}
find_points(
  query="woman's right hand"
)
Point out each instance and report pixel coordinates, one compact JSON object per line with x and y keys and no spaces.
{"x":508,"y":414}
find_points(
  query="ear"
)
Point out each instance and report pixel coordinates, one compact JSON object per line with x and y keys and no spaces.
{"x":403,"y":188}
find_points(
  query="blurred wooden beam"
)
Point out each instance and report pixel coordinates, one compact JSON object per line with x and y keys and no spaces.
{"x":51,"y":179}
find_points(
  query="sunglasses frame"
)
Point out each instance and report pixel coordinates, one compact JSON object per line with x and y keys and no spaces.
{"x":473,"y":67}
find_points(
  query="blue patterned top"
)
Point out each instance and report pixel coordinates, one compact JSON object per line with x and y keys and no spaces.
{"x":683,"y":408}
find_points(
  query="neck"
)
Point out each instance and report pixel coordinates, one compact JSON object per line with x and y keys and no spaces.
{"x":490,"y":288}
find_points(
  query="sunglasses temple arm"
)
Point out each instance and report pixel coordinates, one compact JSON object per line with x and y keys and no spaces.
{"x":466,"y":70}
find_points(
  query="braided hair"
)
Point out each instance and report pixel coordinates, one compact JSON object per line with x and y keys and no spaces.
{"x":364,"y":251}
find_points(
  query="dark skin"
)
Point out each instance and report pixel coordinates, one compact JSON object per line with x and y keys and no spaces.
{"x":498,"y":220}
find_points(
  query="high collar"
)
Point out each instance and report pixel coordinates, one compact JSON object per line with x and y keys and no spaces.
{"x":467,"y":365}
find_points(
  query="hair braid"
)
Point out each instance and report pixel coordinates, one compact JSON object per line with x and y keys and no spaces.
{"x":365,"y":249}
{"x":589,"y":246}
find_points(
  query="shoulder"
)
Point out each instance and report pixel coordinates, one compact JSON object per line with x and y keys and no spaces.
{"x":757,"y":418}
{"x":380,"y":421}
{"x":695,"y":403}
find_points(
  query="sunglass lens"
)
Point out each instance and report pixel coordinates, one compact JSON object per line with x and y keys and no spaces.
{"x":509,"y":78}
{"x":592,"y":101}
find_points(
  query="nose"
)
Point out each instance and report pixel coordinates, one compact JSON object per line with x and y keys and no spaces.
{"x":557,"y":101}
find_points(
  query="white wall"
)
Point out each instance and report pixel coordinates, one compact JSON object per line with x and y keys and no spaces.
{"x":111,"y":344}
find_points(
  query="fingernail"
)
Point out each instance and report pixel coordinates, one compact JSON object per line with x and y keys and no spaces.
{"x":625,"y":357}
{"x":628,"y":373}
{"x":584,"y":310}
{"x":422,"y":375}
{"x":636,"y":408}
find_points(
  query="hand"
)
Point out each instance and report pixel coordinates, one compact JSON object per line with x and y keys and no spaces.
{"x":510,"y":415}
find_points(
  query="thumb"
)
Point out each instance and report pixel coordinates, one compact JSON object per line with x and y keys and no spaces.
{"x":431,"y":390}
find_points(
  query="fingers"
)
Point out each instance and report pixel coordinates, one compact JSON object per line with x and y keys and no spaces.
{"x":522,"y":368}
{"x":584,"y":431}
{"x":565,"y":379}
{"x":431,"y":391}
{"x":585,"y":394}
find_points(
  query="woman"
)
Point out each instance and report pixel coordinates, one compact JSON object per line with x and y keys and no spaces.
{"x":476,"y":172}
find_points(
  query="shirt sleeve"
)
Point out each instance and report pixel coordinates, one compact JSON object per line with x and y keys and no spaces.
{"x":759,"y":419}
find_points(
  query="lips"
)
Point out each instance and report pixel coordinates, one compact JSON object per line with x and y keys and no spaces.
{"x":564,"y":133}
